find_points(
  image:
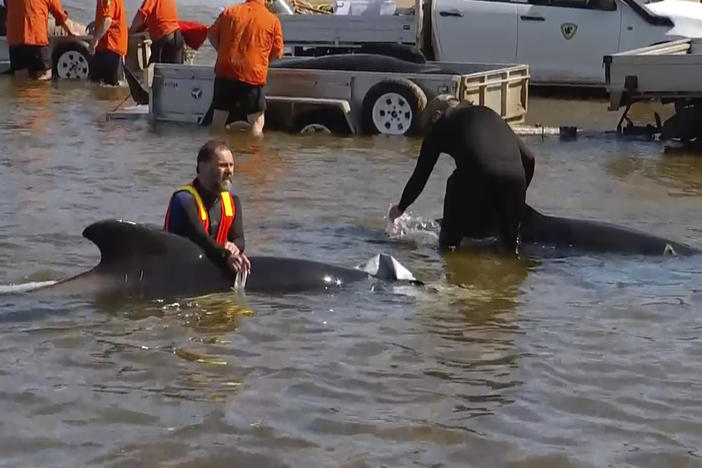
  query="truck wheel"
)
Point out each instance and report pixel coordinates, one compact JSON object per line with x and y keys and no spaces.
{"x":327,"y":121}
{"x":71,"y":61}
{"x":393,"y":107}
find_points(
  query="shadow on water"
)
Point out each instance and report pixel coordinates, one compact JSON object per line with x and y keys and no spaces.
{"x":474,"y":319}
{"x":677,"y":174}
{"x":492,"y":279}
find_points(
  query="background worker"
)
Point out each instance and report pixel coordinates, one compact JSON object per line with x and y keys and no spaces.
{"x":246,"y":37}
{"x":160,"y":18}
{"x":109,"y":43}
{"x":28,"y":38}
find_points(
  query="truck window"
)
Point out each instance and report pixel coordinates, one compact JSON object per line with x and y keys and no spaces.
{"x":608,"y":5}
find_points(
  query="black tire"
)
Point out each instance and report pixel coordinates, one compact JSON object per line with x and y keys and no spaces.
{"x":400,"y":120}
{"x":322,"y":120}
{"x":71,"y":60}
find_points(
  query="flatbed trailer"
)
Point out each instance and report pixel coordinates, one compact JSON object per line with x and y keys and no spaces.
{"x":338,"y":101}
{"x":670,"y":73}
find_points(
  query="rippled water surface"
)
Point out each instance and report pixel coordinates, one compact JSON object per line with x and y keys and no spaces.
{"x":575,"y":361}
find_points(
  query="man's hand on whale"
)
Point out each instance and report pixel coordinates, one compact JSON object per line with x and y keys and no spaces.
{"x":237,"y":261}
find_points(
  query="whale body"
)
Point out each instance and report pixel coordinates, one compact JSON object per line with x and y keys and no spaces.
{"x":140,"y":260}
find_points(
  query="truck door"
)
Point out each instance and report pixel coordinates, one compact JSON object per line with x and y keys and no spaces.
{"x":475,"y":31}
{"x":564,"y":41}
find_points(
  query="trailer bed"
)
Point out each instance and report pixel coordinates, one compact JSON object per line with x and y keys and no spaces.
{"x":183,"y":93}
{"x":667,"y":71}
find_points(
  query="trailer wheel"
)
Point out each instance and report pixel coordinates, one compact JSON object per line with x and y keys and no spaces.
{"x":393,"y":107}
{"x":71,"y":61}
{"x":328,"y":121}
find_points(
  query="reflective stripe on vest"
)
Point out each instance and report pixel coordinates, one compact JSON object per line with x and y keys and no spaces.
{"x":227,"y":218}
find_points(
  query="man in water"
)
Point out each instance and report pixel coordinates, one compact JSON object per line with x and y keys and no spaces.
{"x":28,"y":37}
{"x":160,"y":17}
{"x":208,"y":213}
{"x":246,"y":37}
{"x":110,"y":40}
{"x":485,"y":195}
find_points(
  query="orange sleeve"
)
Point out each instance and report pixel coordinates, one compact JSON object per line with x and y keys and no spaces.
{"x":147,"y":7}
{"x":277,"y":49}
{"x":57,"y":11}
{"x":107,"y":8}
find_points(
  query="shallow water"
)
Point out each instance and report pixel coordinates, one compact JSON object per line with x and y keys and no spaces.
{"x":575,"y":361}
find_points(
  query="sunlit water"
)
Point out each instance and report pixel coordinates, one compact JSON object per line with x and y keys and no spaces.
{"x":574,"y":361}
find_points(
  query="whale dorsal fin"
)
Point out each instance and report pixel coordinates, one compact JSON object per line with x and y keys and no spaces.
{"x":122,"y":241}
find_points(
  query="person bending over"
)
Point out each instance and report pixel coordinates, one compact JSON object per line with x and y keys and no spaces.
{"x":485,"y":196}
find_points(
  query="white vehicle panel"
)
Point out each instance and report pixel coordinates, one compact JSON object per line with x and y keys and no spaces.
{"x":565,"y":44}
{"x":475,"y":31}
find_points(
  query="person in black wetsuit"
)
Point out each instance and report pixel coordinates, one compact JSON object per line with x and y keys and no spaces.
{"x":485,"y":195}
{"x":3,"y":18}
{"x":208,"y":213}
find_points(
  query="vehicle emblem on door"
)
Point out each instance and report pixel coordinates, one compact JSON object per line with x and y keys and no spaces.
{"x":196,"y":93}
{"x":568,"y":30}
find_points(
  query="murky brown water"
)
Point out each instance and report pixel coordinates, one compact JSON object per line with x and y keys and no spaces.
{"x":579,"y":361}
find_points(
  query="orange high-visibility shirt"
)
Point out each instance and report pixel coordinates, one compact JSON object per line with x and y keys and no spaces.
{"x":225,"y":222}
{"x":27,"y":20}
{"x":248,"y":35}
{"x":116,"y":37}
{"x":160,"y":16}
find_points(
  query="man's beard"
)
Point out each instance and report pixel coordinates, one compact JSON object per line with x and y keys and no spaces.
{"x":225,"y":185}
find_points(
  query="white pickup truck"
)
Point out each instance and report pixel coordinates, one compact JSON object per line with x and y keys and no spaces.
{"x":562,"y":41}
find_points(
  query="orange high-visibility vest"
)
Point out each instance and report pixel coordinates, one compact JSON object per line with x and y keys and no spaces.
{"x":228,"y":212}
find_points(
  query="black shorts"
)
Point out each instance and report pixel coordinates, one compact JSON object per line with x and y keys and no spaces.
{"x":105,"y":67}
{"x":32,"y":57}
{"x":240,"y":99}
{"x":168,"y":49}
